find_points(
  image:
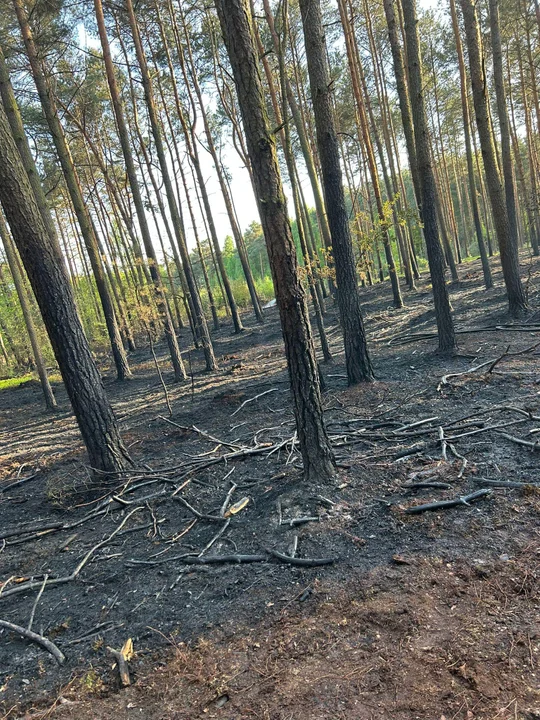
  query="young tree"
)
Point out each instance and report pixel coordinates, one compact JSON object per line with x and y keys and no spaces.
{"x":236,"y":24}
{"x":11,"y":255}
{"x":177,"y":223}
{"x":357,"y":358}
{"x":174,"y":351}
{"x":44,"y":265}
{"x":508,"y":248}
{"x":426,"y":180}
{"x":74,"y":188}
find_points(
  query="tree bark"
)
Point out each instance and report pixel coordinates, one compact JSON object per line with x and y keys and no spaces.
{"x":200,"y":320}
{"x":509,"y":252}
{"x":44,"y":265}
{"x":368,"y":146}
{"x":172,"y":342}
{"x":504,"y":127}
{"x":236,"y":24}
{"x":50,"y":400}
{"x":473,"y":195}
{"x":426,"y":179}
{"x":357,"y":358}
{"x":74,"y":188}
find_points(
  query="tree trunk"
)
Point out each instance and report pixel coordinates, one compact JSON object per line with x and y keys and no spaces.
{"x":174,"y":350}
{"x":504,"y":128}
{"x":74,"y":189}
{"x":44,"y":265}
{"x":50,"y":400}
{"x":368,"y":145}
{"x":236,"y":24}
{"x":473,"y":195}
{"x":200,"y":320}
{"x":357,"y":358}
{"x":509,"y":254}
{"x":426,"y":179}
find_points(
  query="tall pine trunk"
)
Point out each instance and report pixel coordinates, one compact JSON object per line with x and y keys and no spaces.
{"x":357,"y":358}
{"x":236,"y":24}
{"x":44,"y":265}
{"x":508,"y":248}
{"x":426,"y":180}
{"x":74,"y":188}
{"x":473,"y":195}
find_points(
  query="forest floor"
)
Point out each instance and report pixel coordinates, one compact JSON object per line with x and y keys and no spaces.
{"x":431,"y":615}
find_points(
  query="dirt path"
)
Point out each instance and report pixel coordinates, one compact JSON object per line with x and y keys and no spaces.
{"x":430,"y":615}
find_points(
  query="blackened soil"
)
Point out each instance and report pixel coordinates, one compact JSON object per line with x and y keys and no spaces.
{"x":137,"y":585}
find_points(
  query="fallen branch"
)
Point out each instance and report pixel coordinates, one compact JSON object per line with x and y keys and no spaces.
{"x":300,"y":521}
{"x":15,"y":484}
{"x":301,"y":562}
{"x":31,"y":584}
{"x":445,"y":504}
{"x":202,"y":433}
{"x":40,"y":593}
{"x":256,"y":397}
{"x":519,"y":441}
{"x":491,"y":363}
{"x":198,"y":515}
{"x":427,"y":484}
{"x":189,"y":559}
{"x":35,"y":638}
{"x":507,"y":483}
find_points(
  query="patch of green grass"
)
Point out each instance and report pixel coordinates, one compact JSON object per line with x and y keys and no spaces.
{"x":15,"y":381}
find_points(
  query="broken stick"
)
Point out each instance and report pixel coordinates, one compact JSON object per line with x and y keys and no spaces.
{"x":445,"y":504}
{"x":35,"y":638}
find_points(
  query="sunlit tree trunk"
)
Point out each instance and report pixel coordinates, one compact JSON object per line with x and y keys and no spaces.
{"x":508,"y":248}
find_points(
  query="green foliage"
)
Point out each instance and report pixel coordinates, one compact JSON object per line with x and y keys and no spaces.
{"x":12,"y":382}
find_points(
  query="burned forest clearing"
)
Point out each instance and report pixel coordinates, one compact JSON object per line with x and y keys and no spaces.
{"x":406,"y":586}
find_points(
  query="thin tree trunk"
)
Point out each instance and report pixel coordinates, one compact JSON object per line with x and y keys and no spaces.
{"x":11,"y":255}
{"x":74,"y":189}
{"x":366,"y":137}
{"x":303,"y":139}
{"x":192,"y":80}
{"x":172,"y":342}
{"x":473,"y":196}
{"x":502,"y":112}
{"x":200,"y":320}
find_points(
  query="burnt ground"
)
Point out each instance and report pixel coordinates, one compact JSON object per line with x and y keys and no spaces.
{"x":430,"y":615}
